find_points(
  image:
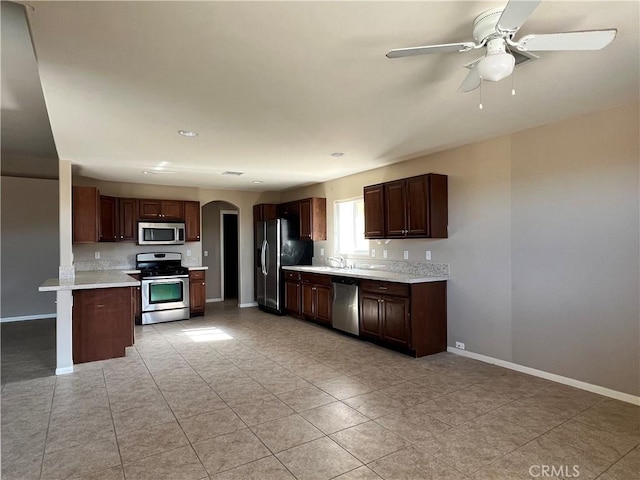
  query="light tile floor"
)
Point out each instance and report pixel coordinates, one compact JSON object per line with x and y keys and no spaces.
{"x":240,"y":394}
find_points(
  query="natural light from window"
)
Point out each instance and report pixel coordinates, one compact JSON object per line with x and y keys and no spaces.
{"x":349,"y":227}
{"x":208,"y":334}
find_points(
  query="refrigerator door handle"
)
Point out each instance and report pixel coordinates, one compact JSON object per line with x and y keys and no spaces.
{"x":266,"y":265}
{"x":263,"y":255}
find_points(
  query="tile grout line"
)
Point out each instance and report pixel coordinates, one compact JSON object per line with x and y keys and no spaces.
{"x":44,"y":447}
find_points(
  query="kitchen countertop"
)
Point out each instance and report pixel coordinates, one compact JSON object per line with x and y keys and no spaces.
{"x":85,"y":280}
{"x":382,"y":275}
{"x":202,"y":267}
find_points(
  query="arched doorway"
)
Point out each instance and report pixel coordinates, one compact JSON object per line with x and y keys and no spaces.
{"x":220,"y":250}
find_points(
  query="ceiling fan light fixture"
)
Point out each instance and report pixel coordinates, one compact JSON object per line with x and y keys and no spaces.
{"x":496,"y":67}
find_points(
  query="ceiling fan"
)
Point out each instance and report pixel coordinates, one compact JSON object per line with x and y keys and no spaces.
{"x":495,"y":29}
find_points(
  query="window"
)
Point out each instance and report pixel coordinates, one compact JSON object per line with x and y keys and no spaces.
{"x":349,"y":227}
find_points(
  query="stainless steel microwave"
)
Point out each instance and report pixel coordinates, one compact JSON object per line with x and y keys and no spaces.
{"x":160,"y":233}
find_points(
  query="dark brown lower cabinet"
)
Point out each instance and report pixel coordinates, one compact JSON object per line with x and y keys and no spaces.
{"x":137,"y":300}
{"x":197,"y":292}
{"x":292,"y":293}
{"x":411,"y":317}
{"x":316,"y":297}
{"x":102,"y":323}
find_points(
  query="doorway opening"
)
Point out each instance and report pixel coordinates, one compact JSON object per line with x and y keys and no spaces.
{"x":220,"y":250}
{"x":229,"y":254}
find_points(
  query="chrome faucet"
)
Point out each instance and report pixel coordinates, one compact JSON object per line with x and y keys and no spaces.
{"x":340,"y":260}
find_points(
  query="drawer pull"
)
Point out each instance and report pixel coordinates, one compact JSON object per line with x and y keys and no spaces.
{"x":382,"y":288}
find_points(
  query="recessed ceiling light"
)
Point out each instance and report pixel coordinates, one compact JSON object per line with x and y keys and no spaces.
{"x":337,"y":154}
{"x":258,"y":181}
{"x":188,"y":133}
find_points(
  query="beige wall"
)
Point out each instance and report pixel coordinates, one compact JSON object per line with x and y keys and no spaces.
{"x":544,"y":233}
{"x":30,"y":252}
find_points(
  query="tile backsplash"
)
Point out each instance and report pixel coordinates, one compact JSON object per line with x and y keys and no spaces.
{"x":122,"y":256}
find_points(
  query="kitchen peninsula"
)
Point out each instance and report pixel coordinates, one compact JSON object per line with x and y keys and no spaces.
{"x":103,"y":306}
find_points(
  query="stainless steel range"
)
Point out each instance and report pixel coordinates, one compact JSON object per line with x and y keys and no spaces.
{"x":165,"y":287}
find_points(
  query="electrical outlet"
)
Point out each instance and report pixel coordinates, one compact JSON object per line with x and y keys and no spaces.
{"x":96,"y":255}
{"x":460,"y":345}
{"x":322,"y":252}
{"x":188,"y":253}
{"x":406,"y":255}
{"x":427,"y":255}
{"x":384,"y":254}
{"x":206,"y":253}
{"x":373,"y":252}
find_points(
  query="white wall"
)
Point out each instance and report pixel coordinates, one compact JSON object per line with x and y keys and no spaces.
{"x":30,"y":246}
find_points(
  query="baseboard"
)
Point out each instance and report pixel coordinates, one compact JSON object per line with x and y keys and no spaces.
{"x":64,"y":370}
{"x":214,"y":300}
{"x":27,"y":317}
{"x":246,"y":305}
{"x":589,"y":387}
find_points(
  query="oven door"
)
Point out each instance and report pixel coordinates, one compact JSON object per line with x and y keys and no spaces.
{"x":165,"y":293}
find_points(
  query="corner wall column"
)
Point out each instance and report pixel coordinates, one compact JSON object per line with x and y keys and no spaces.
{"x":64,"y":298}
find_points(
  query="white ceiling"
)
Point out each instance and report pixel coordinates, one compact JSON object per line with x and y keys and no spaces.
{"x":273,"y":88}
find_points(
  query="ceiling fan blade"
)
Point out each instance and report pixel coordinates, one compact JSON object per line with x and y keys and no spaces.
{"x":588,"y":40}
{"x":515,"y":14}
{"x":472,"y":80}
{"x":447,"y":47}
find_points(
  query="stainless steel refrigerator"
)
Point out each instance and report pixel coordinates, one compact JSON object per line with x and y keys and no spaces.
{"x":277,"y":245}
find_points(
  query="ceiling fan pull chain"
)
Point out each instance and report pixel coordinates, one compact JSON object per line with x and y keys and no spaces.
{"x":513,"y":83}
{"x":480,"y":106}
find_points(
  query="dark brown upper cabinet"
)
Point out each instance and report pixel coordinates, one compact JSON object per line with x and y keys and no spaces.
{"x":374,"y":211}
{"x":161,"y":209}
{"x":108,"y":219}
{"x":310,"y":215}
{"x":415,"y":207}
{"x":289,"y":209}
{"x":313,"y":218}
{"x":264,"y":211}
{"x":192,"y":221}
{"x":86,"y":214}
{"x":128,"y":218}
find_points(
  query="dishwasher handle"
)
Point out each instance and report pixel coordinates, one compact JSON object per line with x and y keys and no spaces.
{"x":345,"y":280}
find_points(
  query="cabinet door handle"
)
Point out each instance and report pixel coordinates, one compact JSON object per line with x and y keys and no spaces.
{"x":382,"y":288}
{"x":203,"y":284}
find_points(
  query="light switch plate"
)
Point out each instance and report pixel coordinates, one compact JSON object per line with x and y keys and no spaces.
{"x":188,"y":253}
{"x":384,"y":254}
{"x":322,"y":252}
{"x":406,"y":255}
{"x":206,"y":253}
{"x":373,"y":252}
{"x":427,"y":255}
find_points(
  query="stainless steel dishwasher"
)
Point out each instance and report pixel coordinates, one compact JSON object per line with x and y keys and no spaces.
{"x":345,"y":305}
